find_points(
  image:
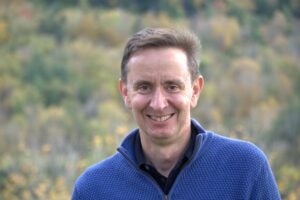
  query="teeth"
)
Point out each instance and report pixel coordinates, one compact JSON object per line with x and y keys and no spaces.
{"x":160,"y":119}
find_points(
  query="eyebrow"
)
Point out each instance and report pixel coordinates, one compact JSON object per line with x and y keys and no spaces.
{"x":176,"y":82}
{"x":140,"y":82}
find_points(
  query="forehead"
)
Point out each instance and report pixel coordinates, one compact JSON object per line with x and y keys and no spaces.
{"x":158,"y":63}
{"x":164,"y":52}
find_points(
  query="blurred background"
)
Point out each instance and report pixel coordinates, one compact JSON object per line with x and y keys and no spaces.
{"x":60,"y":110}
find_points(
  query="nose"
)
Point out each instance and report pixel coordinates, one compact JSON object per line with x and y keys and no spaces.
{"x":158,"y":100}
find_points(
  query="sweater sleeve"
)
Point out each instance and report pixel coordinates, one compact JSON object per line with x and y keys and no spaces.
{"x":265,"y":186}
{"x":75,"y":195}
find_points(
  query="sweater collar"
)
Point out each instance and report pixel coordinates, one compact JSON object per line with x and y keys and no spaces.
{"x":128,"y":146}
{"x":140,"y":157}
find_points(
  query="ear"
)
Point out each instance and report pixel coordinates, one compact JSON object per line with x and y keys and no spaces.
{"x":124,"y":92}
{"x":197,"y":88}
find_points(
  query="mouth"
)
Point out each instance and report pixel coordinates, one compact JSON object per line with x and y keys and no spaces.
{"x":160,"y":118}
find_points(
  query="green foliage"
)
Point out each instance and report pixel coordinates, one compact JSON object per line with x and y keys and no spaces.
{"x":286,"y":133}
{"x":60,"y":109}
{"x":49,"y":75}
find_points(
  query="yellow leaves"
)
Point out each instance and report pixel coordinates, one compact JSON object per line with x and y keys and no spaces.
{"x":26,"y":195}
{"x":161,"y":20}
{"x":225,"y":30}
{"x":114,"y":33}
{"x":18,"y":98}
{"x":122,"y":130}
{"x":20,"y":187}
{"x":246,"y":64}
{"x":45,"y":146}
{"x":82,"y":164}
{"x":267,"y":111}
{"x":210,"y":91}
{"x":245,"y":72}
{"x":60,"y":190}
{"x":52,"y":115}
{"x":17,"y":179}
{"x":14,"y":187}
{"x":279,"y":21}
{"x":274,"y":33}
{"x":41,"y":189}
{"x":87,"y":27}
{"x":216,"y":115}
{"x":3,"y":31}
{"x":288,"y":182}
{"x":96,"y":141}
{"x":28,"y":169}
{"x":280,"y":42}
{"x":46,"y":149}
{"x":109,"y":141}
{"x":246,"y":4}
{"x":286,"y":84}
{"x":246,"y":76}
{"x":110,"y":110}
{"x":106,"y":26}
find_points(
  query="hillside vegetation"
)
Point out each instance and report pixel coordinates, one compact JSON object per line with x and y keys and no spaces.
{"x":60,"y":109}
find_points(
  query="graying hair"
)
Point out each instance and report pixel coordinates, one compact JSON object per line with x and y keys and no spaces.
{"x":164,"y":37}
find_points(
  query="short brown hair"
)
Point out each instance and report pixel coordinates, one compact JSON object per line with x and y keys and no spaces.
{"x":163,"y":37}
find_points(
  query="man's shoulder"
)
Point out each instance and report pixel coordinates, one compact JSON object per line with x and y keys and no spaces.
{"x":236,"y":148}
{"x":96,"y":176}
{"x":99,"y":171}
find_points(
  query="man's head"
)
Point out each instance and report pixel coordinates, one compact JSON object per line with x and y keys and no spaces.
{"x":163,"y":38}
{"x":161,"y":83}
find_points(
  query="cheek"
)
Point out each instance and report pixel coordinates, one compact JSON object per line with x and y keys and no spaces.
{"x":127,"y":102}
{"x":181,"y":102}
{"x":139,"y":102}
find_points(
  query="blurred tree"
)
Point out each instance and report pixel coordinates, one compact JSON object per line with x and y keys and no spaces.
{"x":60,"y":110}
{"x":4,"y":35}
{"x":240,"y":9}
{"x":52,"y":22}
{"x":284,"y":141}
{"x":49,"y":75}
{"x":226,"y":31}
{"x":192,"y":7}
{"x":174,"y":8}
{"x":265,"y":8}
{"x":285,"y":133}
{"x":244,"y":89}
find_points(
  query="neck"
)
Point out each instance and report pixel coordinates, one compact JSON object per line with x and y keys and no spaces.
{"x":165,"y":157}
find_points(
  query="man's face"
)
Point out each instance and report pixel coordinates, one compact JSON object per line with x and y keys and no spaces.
{"x":160,"y":94}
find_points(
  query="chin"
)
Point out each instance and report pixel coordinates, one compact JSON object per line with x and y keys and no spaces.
{"x":161,"y":134}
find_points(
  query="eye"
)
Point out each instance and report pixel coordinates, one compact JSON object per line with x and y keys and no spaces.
{"x":144,"y":88}
{"x":172,"y":88}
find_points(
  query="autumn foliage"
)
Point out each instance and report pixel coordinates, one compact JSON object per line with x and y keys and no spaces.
{"x":60,"y":110}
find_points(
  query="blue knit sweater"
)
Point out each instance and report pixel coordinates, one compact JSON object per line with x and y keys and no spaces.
{"x":221,"y":168}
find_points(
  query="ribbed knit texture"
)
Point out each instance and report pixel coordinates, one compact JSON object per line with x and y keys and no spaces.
{"x":221,"y":168}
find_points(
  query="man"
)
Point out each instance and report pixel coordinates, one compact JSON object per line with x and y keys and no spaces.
{"x":170,"y":156}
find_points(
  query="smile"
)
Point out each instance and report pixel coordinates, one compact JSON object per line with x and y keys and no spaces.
{"x":160,"y":118}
